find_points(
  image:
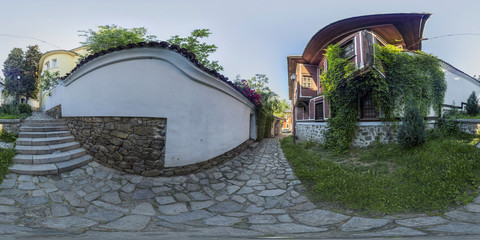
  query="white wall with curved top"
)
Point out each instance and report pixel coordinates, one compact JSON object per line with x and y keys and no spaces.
{"x":459,"y":86}
{"x":205,"y":116}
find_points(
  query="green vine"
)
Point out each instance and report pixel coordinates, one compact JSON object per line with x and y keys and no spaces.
{"x":397,"y":78}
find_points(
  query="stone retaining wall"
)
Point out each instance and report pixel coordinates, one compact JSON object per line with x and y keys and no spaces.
{"x":10,"y":125}
{"x":471,"y":126}
{"x":129,"y":144}
{"x":55,"y":112}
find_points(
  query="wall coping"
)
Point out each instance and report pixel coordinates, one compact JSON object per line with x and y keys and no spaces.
{"x":468,"y":120}
{"x":364,"y":124}
{"x":149,"y":53}
{"x":11,"y":120}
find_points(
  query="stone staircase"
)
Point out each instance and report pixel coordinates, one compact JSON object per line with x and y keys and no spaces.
{"x":47,"y":147}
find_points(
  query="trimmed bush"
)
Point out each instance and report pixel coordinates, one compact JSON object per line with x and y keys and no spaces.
{"x":472,"y":105}
{"x":10,"y":108}
{"x":412,"y":131}
{"x":447,"y":127}
{"x":25,"y":108}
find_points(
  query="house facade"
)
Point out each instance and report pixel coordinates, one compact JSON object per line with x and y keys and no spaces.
{"x":357,"y":37}
{"x":287,"y":121}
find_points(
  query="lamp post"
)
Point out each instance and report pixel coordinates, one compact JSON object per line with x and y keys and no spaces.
{"x":293,"y":77}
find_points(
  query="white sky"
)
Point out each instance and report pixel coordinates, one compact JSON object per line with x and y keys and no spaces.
{"x":253,"y":36}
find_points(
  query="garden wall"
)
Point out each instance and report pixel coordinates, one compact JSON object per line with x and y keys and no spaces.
{"x":206,"y":117}
{"x":10,"y":125}
{"x":471,"y":126}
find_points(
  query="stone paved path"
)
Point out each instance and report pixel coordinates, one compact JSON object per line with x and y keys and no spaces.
{"x":255,"y":194}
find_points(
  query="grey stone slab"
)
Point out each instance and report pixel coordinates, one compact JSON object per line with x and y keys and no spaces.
{"x":63,"y":185}
{"x":226,"y":206}
{"x":39,"y":193}
{"x":198,"y":196}
{"x":8,"y":183}
{"x":238,"y":199}
{"x":8,"y":209}
{"x":67,"y":223}
{"x":129,"y":223}
{"x":286,"y":228}
{"x":396,"y":232}
{"x":27,"y":186}
{"x":464,"y":216}
{"x":251,"y":183}
{"x":144,"y":209}
{"x":271,"y":193}
{"x":110,"y":206}
{"x":473,"y":207}
{"x":165,"y":200}
{"x":421,"y":221}
{"x":143,"y":194}
{"x":456,"y":227}
{"x":173,"y":209}
{"x":74,"y":200}
{"x":8,"y":218}
{"x":188,"y":216}
{"x":101,"y":215}
{"x":222,"y":221}
{"x":254,"y":209}
{"x":6,"y":229}
{"x":232,"y":189}
{"x":245,"y":190}
{"x":262,"y":219}
{"x":285,"y":218}
{"x":319,"y":217}
{"x":363,"y":224}
{"x":6,"y":201}
{"x":218,"y":186}
{"x":59,"y":210}
{"x":128,"y":188}
{"x":303,"y":206}
{"x":25,"y":178}
{"x":182,"y":197}
{"x":111,"y":197}
{"x":36,"y":200}
{"x":92,"y":196}
{"x":201,"y":205}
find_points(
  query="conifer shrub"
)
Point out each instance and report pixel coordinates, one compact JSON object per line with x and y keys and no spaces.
{"x":25,"y":109}
{"x":412,"y":132}
{"x":472,"y":105}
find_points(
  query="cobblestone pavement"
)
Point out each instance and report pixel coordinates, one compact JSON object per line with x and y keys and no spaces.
{"x":255,"y":194}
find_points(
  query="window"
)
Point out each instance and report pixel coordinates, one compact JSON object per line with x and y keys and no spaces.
{"x":349,"y":50}
{"x":47,"y":65}
{"x":54,"y":63}
{"x":319,"y":110}
{"x":307,"y":82}
{"x":367,"y":108}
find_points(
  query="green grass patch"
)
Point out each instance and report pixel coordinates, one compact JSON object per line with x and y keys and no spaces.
{"x":6,"y":159}
{"x":387,"y":179}
{"x":7,"y":137}
{"x":12,"y":116}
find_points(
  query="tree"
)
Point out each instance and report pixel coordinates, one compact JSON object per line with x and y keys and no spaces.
{"x":13,"y":71}
{"x":472,"y":105}
{"x":109,"y":36}
{"x":201,"y":50}
{"x":411,"y":132}
{"x":21,"y":72}
{"x":30,"y":67}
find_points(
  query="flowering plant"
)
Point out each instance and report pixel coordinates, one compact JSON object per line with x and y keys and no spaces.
{"x":251,"y":94}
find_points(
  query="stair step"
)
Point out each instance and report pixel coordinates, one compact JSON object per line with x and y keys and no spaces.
{"x":44,"y":141}
{"x":74,"y":163}
{"x":42,"y":124}
{"x":50,"y":168}
{"x":43,"y":129}
{"x":49,"y":149}
{"x":43,"y":121}
{"x":49,"y":158}
{"x":43,"y":134}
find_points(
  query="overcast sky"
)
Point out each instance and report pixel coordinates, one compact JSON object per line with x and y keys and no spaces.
{"x":253,"y":36}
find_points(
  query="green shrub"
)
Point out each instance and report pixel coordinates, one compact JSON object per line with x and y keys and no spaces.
{"x":472,"y":105}
{"x":412,"y":131}
{"x":11,"y":108}
{"x":261,"y":119}
{"x":7,"y":137}
{"x":447,"y":126}
{"x":25,"y":108}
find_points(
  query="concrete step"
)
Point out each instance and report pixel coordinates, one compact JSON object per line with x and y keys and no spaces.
{"x":37,"y":150}
{"x":44,"y":141}
{"x":43,"y":134}
{"x":50,"y":168}
{"x":43,"y":124}
{"x":43,"y":129}
{"x":43,"y":121}
{"x":49,"y":158}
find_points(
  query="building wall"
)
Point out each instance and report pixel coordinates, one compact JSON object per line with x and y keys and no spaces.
{"x":206,"y":117}
{"x":459,"y":86}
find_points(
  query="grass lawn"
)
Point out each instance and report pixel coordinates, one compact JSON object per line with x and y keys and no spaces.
{"x":6,"y":158}
{"x":12,"y":116}
{"x":386,"y":179}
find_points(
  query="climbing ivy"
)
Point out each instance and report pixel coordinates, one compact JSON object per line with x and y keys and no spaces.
{"x":396,"y":78}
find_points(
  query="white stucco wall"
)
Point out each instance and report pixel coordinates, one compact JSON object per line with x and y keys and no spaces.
{"x":205,"y":116}
{"x":459,"y":85}
{"x":53,"y":99}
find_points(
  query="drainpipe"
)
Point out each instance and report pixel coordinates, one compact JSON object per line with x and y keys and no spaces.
{"x":293,"y":77}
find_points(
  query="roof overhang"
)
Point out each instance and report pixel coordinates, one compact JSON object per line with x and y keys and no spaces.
{"x":397,"y":28}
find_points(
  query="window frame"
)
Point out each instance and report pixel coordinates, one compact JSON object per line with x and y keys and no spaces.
{"x":322,"y":117}
{"x":310,"y":81}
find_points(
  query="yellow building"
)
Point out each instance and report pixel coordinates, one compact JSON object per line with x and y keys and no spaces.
{"x":61,"y":61}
